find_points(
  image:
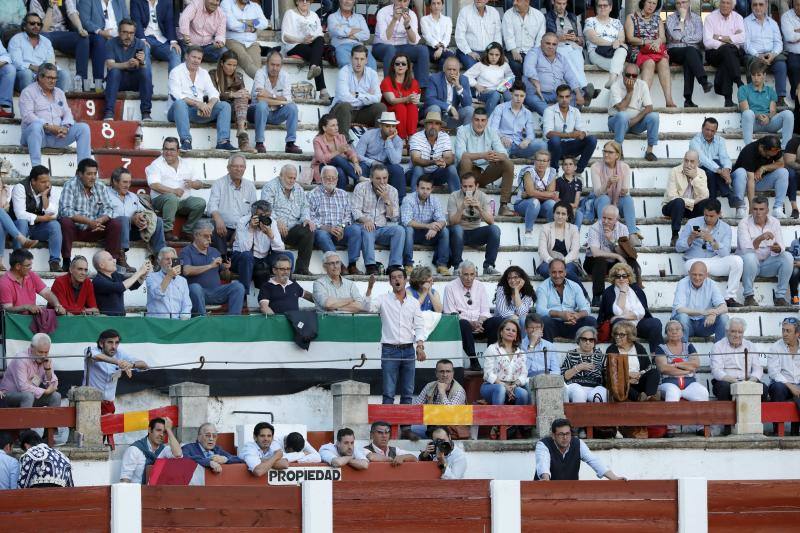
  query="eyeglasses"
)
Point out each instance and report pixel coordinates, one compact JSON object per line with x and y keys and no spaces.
{"x":400,"y":64}
{"x":587,"y":339}
{"x":620,"y":334}
{"x":34,"y":23}
{"x":194,"y":90}
{"x":631,"y":75}
{"x":621,"y":276}
{"x":542,"y":160}
{"x":564,"y":434}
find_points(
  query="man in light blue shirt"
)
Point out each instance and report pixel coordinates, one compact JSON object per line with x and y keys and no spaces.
{"x":383,"y":145}
{"x":716,"y":162}
{"x":562,"y":126}
{"x":348,"y":29}
{"x":167,"y":290}
{"x":699,"y":306}
{"x":535,"y":346}
{"x":545,"y":68}
{"x":9,"y":467}
{"x":707,"y":239}
{"x":126,"y":205}
{"x":245,"y":20}
{"x":358,"y":92}
{"x":29,"y":49}
{"x":8,"y":74}
{"x":425,"y":223}
{"x":513,"y":122}
{"x":561,"y":304}
{"x":764,"y":41}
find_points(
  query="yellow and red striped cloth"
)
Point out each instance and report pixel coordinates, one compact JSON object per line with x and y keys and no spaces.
{"x":453,"y":415}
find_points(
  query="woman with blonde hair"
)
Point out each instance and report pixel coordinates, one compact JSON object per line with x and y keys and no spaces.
{"x":625,"y":300}
{"x":420,"y":284}
{"x":611,"y":184}
{"x":643,"y":376}
{"x":505,"y":370}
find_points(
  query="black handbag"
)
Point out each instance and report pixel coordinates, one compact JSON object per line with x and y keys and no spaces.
{"x":605,"y":51}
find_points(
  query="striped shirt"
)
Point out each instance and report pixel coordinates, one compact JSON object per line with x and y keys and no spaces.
{"x":429,"y":394}
{"x":504,"y":307}
{"x":75,"y":201}
{"x":424,"y":213}
{"x":367,"y":204}
{"x":292,"y":210}
{"x":597,"y":237}
{"x":329,"y":209}
{"x":586,"y":378}
{"x":419,"y":143}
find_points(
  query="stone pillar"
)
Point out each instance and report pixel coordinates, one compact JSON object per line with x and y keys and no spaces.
{"x":747,"y":395}
{"x":549,"y":391}
{"x":277,"y":14}
{"x":86,"y":400}
{"x":192,"y":402}
{"x":350,"y":401}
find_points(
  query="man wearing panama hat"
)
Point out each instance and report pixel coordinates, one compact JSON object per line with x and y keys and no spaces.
{"x":432,"y":154}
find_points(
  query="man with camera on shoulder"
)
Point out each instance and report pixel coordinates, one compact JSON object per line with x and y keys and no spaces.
{"x":452,"y":460}
{"x":257,"y":245}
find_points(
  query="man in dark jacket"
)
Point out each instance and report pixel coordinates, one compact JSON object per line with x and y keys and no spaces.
{"x":160,"y":36}
{"x":205,"y":451}
{"x":559,"y":456}
{"x":448,"y":93}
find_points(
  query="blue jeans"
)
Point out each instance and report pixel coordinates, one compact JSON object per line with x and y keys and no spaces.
{"x":211,"y":54}
{"x":260,"y":115}
{"x":8,"y":74}
{"x":528,"y":152}
{"x":69,"y":42}
{"x":464,"y":115}
{"x":163,"y":52}
{"x":345,"y":169}
{"x":7,"y":227}
{"x":441,"y":254}
{"x":774,"y":265}
{"x":777,"y":179}
{"x":231,"y":294}
{"x":34,"y":137}
{"x":495,"y":394}
{"x":782,"y":123}
{"x":392,"y":236}
{"x":530,"y":209}
{"x":26,"y":76}
{"x":397,"y":178}
{"x":492,"y":99}
{"x":584,"y":148}
{"x":343,"y":56}
{"x":43,"y":231}
{"x":140,"y":79}
{"x":399,"y":373}
{"x":417,"y":54}
{"x":466,"y":61}
{"x":488,"y":235}
{"x":692,"y":328}
{"x":129,"y":232}
{"x":448,"y":174}
{"x":182,"y":115}
{"x":243,"y":262}
{"x":535,"y":102}
{"x":626,"y":208}
{"x":352,"y":237}
{"x":618,"y":124}
{"x":717,"y":186}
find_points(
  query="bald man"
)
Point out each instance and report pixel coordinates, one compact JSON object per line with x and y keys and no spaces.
{"x":699,"y":305}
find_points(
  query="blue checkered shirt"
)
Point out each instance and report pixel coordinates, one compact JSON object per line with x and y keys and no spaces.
{"x":413,"y":209}
{"x":329,"y":209}
{"x":75,"y":201}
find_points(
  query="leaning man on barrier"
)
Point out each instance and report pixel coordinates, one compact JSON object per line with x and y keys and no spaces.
{"x":559,"y":456}
{"x":144,"y":452}
{"x":205,"y":451}
{"x":344,"y":451}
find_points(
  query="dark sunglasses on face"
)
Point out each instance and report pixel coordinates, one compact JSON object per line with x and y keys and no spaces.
{"x":400,"y":64}
{"x":631,"y":75}
{"x":621,"y":276}
{"x":587,"y":339}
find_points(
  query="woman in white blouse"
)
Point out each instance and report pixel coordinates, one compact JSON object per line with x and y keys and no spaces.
{"x":560,"y":239}
{"x":437,"y":30}
{"x":607,"y":34}
{"x":301,"y":34}
{"x":488,"y":74}
{"x":505,"y":372}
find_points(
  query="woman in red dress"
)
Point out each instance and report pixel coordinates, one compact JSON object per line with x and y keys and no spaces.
{"x":401,"y":95}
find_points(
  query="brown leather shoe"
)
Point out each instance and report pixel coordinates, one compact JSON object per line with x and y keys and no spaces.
{"x":506,"y":211}
{"x":353,"y":270}
{"x":781,"y":302}
{"x":244,"y":143}
{"x":55,"y":266}
{"x":170,"y":237}
{"x":750,"y":301}
{"x":122,"y":261}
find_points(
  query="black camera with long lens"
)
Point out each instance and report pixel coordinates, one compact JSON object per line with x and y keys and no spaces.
{"x":442,"y":445}
{"x":265,"y":219}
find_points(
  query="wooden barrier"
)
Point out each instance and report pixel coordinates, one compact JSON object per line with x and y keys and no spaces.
{"x":238,"y":475}
{"x":461,"y":506}
{"x":75,"y":509}
{"x":779,"y":413}
{"x":225,"y":509}
{"x":753,"y":506}
{"x":38,"y":417}
{"x":627,"y":414}
{"x":599,"y":506}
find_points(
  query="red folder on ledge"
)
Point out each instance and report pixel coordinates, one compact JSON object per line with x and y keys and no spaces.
{"x":171,"y":472}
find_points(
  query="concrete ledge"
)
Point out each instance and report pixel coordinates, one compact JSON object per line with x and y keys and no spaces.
{"x":688,"y":443}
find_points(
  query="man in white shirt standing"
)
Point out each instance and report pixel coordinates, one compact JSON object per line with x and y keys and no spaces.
{"x":760,"y":243}
{"x":397,"y":32}
{"x":172,"y":186}
{"x":195,"y":99}
{"x":478,"y":25}
{"x":273,"y":96}
{"x":245,"y":20}
{"x":523,"y":29}
{"x":144,"y":452}
{"x":783,"y":364}
{"x":358,"y":93}
{"x":263,"y":452}
{"x":402,"y":335}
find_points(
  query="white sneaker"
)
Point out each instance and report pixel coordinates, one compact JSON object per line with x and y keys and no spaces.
{"x":778,"y":213}
{"x":527,"y":239}
{"x":741,"y":212}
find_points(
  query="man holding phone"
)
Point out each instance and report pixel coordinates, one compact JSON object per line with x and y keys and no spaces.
{"x":128,"y":69}
{"x":167,"y":290}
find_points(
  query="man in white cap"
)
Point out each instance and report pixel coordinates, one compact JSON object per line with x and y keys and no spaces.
{"x":432,"y":154}
{"x":383,"y":145}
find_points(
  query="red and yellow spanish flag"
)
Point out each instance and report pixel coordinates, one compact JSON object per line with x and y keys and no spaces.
{"x":136,"y":420}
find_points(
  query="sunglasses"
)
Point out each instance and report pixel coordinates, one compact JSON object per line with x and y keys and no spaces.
{"x":631,"y":75}
{"x":621,"y":276}
{"x":791,"y":320}
{"x":400,"y":64}
{"x":34,"y":23}
{"x":620,"y":335}
{"x":469,"y":297}
{"x":587,"y":339}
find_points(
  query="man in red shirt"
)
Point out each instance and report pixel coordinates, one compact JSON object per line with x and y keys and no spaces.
{"x":19,"y":287}
{"x":75,"y":289}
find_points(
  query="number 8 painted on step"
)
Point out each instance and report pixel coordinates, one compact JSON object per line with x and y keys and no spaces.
{"x":107,"y":131}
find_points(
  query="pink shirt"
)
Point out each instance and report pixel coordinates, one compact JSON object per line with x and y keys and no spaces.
{"x":748,"y":231}
{"x":399,"y":35}
{"x":16,"y":293}
{"x":26,"y":375}
{"x":200,"y":26}
{"x":716,"y":24}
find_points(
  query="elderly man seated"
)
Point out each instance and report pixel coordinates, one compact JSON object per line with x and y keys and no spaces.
{"x":602,"y":250}
{"x":344,"y":451}
{"x":783,"y":364}
{"x":729,"y":364}
{"x":205,"y":451}
{"x":136,"y":222}
{"x":263,"y":452}
{"x":205,"y":269}
{"x":466,"y":296}
{"x":75,"y":290}
{"x":444,"y":391}
{"x":167,"y":290}
{"x":29,"y":379}
{"x":333,"y":293}
{"x":230,"y":199}
{"x":19,"y":287}
{"x":561,"y":304}
{"x":280,"y":293}
{"x":144,"y":452}
{"x":378,"y":449}
{"x":698,"y":305}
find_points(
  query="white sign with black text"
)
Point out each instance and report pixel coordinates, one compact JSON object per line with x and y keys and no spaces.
{"x":297,"y":475}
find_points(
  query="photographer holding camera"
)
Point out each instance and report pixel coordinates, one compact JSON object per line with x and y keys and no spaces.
{"x":451,"y":459}
{"x":258,"y":243}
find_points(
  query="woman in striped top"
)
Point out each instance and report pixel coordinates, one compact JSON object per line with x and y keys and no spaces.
{"x":514,"y":297}
{"x":584,"y":369}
